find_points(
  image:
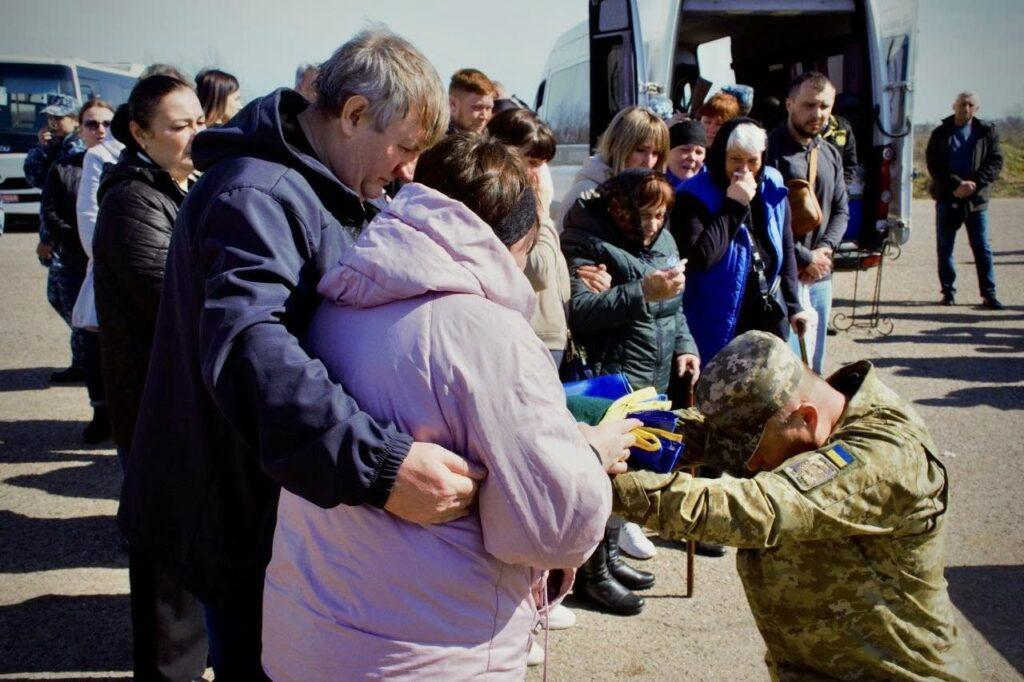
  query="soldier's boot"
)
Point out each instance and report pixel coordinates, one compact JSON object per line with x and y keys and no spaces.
{"x":597,"y":585}
{"x":631,"y":578}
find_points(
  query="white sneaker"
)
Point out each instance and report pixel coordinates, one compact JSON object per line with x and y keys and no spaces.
{"x":536,"y":654}
{"x":560,"y":618}
{"x":633,"y":542}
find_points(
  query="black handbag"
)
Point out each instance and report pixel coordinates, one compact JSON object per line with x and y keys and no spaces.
{"x":574,"y":364}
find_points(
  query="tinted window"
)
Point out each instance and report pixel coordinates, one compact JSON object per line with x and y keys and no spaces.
{"x":566,"y":105}
{"x":23,"y":91}
{"x":112,"y":87}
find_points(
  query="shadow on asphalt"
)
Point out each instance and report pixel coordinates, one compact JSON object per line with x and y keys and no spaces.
{"x":26,"y":378}
{"x":989,"y":597}
{"x":45,"y":440}
{"x":47,"y":544}
{"x":99,"y":479}
{"x":66,"y":634}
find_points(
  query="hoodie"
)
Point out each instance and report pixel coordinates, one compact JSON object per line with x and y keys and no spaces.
{"x":236,"y":407}
{"x":427,"y":323}
{"x":591,"y":174}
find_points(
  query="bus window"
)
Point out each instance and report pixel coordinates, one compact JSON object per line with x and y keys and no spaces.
{"x":715,"y":60}
{"x":566,"y":103}
{"x":26,"y":87}
{"x":112,"y":87}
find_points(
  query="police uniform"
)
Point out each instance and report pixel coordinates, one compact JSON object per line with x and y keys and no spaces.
{"x":841,"y":550}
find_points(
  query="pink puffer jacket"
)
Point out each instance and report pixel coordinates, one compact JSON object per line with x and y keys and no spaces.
{"x":426,"y":325}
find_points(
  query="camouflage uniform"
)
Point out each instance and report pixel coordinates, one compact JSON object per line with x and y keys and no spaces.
{"x":842,"y":549}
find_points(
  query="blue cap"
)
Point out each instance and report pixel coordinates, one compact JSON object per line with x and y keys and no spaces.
{"x":61,"y":105}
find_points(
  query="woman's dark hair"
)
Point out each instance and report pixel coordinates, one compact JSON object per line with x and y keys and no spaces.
{"x":486,"y":175}
{"x":141,"y":105}
{"x":523,"y":129}
{"x":627,"y":194}
{"x":93,"y":103}
{"x":214,"y":87}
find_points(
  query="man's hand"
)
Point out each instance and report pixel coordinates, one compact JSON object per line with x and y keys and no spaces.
{"x":743,"y":188}
{"x":965,"y":189}
{"x":433,"y":486}
{"x":44,"y":250}
{"x":800,"y":322}
{"x":612,"y":440}
{"x":44,"y":136}
{"x":595,"y":277}
{"x":819,"y":267}
{"x":688,"y":363}
{"x":661,"y":285}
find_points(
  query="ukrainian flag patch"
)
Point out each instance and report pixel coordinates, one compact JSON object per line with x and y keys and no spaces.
{"x":839,"y":456}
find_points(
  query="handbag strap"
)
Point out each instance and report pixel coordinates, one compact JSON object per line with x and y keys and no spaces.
{"x":756,"y":262}
{"x":812,"y":165}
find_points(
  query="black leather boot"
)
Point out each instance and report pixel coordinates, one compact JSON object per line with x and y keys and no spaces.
{"x":597,"y":585}
{"x":631,"y":578}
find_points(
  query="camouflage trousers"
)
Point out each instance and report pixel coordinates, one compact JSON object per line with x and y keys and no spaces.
{"x":62,"y":286}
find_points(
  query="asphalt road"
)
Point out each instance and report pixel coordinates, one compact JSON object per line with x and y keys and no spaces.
{"x":64,"y":584}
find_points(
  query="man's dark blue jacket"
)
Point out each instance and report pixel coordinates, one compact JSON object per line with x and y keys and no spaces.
{"x":234,"y":406}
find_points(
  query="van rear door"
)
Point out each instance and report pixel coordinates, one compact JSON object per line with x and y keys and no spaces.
{"x":617,"y":67}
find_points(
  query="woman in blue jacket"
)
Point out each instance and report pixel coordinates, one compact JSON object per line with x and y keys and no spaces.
{"x":733,"y":225}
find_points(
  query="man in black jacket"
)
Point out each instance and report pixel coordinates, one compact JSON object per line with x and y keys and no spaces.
{"x":964,"y":160}
{"x":234,"y":406}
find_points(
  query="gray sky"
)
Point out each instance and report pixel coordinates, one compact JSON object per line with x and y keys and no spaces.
{"x":962,"y":44}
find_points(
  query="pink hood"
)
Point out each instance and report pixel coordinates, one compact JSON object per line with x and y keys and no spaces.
{"x":425,"y":242}
{"x":426,"y":326}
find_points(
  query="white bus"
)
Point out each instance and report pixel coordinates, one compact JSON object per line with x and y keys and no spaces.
{"x":24,"y":84}
{"x":674,"y":53}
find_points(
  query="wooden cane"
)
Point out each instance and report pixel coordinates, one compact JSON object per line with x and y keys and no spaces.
{"x":691,"y":545}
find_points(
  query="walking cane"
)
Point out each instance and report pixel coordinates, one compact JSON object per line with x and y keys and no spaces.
{"x":803,"y":343}
{"x":691,"y":545}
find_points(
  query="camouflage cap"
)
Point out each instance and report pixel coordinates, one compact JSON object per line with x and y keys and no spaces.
{"x":746,"y":383}
{"x":60,"y":105}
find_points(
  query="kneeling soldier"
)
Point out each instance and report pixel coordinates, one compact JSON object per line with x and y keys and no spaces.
{"x":839,"y":515}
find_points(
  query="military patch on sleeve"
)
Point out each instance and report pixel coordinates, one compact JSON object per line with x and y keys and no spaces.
{"x":811,"y":472}
{"x":839,"y":455}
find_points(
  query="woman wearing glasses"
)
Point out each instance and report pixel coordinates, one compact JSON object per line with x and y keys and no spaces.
{"x":60,"y":219}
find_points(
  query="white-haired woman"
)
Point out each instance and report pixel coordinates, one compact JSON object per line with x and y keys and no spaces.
{"x":636,"y":138}
{"x":733,"y":225}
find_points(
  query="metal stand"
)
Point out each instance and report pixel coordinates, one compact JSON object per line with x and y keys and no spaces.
{"x":872,"y":320}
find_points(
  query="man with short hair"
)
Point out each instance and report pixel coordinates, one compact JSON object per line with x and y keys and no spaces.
{"x":964,"y":161}
{"x":471,"y":99}
{"x":793,"y":148}
{"x":234,"y":406}
{"x":838,"y":509}
{"x":305,"y":81}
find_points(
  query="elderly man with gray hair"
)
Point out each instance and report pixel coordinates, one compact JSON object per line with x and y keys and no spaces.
{"x":235,"y":407}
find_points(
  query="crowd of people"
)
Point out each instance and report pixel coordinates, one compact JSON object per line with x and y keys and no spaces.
{"x":326,"y":333}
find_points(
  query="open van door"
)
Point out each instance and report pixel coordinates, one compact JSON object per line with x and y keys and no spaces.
{"x":616,"y":61}
{"x":894,"y":23}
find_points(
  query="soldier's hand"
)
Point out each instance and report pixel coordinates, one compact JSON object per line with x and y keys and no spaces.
{"x":44,"y":136}
{"x":433,"y":485}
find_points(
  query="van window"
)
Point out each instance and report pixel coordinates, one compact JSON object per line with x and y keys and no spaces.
{"x":567,"y":103}
{"x":112,"y":87}
{"x":715,"y":60}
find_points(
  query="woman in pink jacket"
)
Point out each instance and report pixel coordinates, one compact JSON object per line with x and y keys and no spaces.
{"x":427,"y":324}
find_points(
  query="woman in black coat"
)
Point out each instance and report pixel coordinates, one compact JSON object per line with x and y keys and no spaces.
{"x":139,"y":199}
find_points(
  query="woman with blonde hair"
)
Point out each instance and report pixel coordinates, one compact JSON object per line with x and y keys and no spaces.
{"x":636,"y":138}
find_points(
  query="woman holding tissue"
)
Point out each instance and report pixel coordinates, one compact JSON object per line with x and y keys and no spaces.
{"x":732,"y":224}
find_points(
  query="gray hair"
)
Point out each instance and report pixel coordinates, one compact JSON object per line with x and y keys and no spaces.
{"x":302,"y":70}
{"x":394,"y":77}
{"x":964,"y":94}
{"x":748,"y":137}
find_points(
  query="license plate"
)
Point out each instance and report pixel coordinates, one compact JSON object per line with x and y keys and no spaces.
{"x":10,"y":198}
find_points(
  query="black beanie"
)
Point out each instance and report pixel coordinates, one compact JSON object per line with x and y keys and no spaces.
{"x":687,"y":132}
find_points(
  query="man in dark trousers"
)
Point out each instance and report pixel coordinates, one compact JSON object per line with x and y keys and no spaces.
{"x":790,"y":149}
{"x":963,"y":161}
{"x":234,"y":406}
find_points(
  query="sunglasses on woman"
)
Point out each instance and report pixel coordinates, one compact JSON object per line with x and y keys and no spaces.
{"x":95,"y":125}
